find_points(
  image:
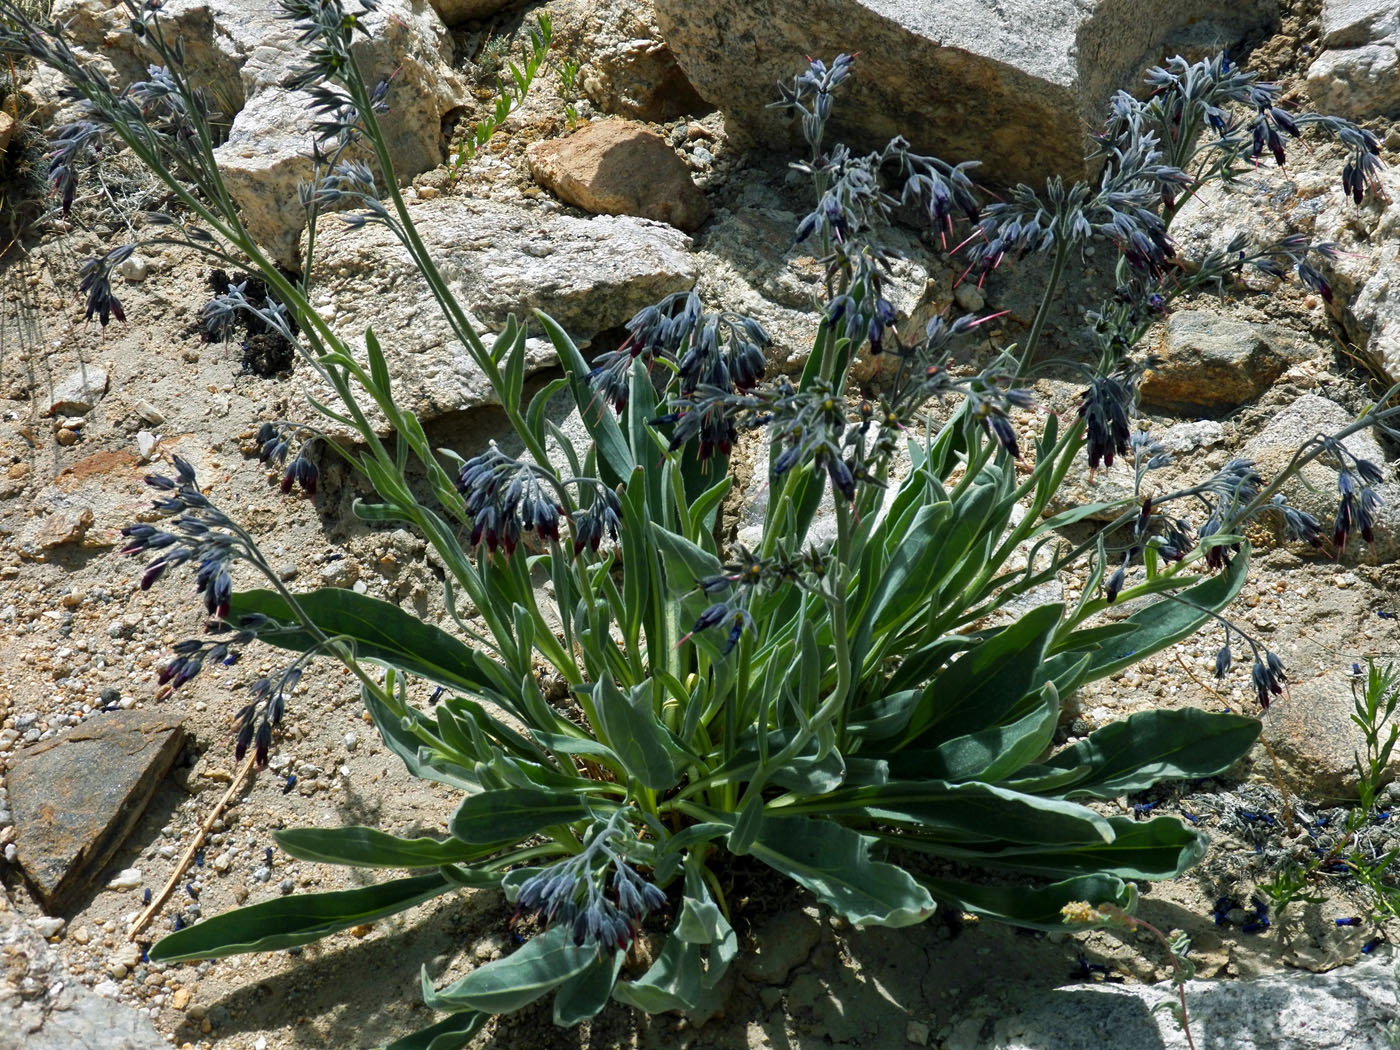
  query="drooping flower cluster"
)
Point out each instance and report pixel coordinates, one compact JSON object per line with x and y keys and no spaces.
{"x":713,"y":353}
{"x":204,"y":535}
{"x":1105,"y":408}
{"x":572,"y":891}
{"x":1356,"y":509}
{"x":274,"y":442}
{"x":506,"y":498}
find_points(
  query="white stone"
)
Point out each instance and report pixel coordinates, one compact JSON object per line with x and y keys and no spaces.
{"x":126,"y":879}
{"x":1349,"y":1007}
{"x":588,"y":274}
{"x":79,"y":391}
{"x":133,"y":268}
{"x":48,"y":926}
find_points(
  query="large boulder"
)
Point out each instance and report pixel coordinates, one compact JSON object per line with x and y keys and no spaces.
{"x":1015,"y":85}
{"x":590,"y":275}
{"x":242,"y":53}
{"x":1209,"y":365}
{"x":1355,"y":76}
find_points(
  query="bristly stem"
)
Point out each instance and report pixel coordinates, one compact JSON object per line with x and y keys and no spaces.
{"x":1052,"y":287}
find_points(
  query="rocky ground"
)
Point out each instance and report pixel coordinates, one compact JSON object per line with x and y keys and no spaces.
{"x":89,"y":410}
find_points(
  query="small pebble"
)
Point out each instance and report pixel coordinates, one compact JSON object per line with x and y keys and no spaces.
{"x":286,"y":886}
{"x":48,"y":926}
{"x":126,"y":879}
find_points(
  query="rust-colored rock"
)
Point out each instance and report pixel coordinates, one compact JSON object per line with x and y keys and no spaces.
{"x":617,"y":167}
{"x":75,"y":798}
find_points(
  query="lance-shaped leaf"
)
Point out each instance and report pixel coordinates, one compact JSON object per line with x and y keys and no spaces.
{"x":291,"y":921}
{"x":1169,"y":620}
{"x":1035,"y":906}
{"x":371,"y":848}
{"x":381,"y":631}
{"x":582,"y":996}
{"x":544,"y":962}
{"x":451,"y":1033}
{"x":970,"y":810}
{"x":629,"y":724}
{"x":834,"y":863}
{"x":1151,"y":746}
{"x":513,"y":814}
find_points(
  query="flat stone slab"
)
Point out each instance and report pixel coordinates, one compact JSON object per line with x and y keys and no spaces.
{"x":75,"y":798}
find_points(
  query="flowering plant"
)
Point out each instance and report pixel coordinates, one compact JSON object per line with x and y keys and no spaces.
{"x":862,"y":700}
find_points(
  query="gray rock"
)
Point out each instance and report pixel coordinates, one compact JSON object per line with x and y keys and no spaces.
{"x":1352,"y":1008}
{"x":1012,"y":84}
{"x":619,"y":167}
{"x":1347,"y":23}
{"x":242,"y":53}
{"x":77,"y":796}
{"x":1358,"y":82}
{"x":1187,"y":437}
{"x":1373,"y":322}
{"x":1211,"y":364}
{"x":1355,"y":76}
{"x":78,"y":392}
{"x":1312,"y":416}
{"x":42,"y":1007}
{"x":627,"y":69}
{"x":588,"y":274}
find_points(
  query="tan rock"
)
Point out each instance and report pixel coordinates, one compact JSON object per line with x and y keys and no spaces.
{"x":618,"y":167}
{"x":180,"y":999}
{"x":8,"y":126}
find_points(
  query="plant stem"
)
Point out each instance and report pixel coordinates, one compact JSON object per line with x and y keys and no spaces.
{"x":1057,"y":271}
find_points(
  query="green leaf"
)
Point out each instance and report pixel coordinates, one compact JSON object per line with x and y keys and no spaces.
{"x":381,"y":631}
{"x":370,"y":848}
{"x":971,"y":810}
{"x":989,"y":754}
{"x":987,"y":682}
{"x":451,"y":1033}
{"x":632,"y":731}
{"x":1036,"y":907}
{"x":897,"y":591}
{"x":378,"y":366}
{"x":1161,"y":848}
{"x":582,"y":996}
{"x":380,"y":512}
{"x":673,"y":982}
{"x":542,"y":963}
{"x":1150,"y":746}
{"x":291,"y":921}
{"x":834,"y":863}
{"x":1168,"y":621}
{"x":513,"y":814}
